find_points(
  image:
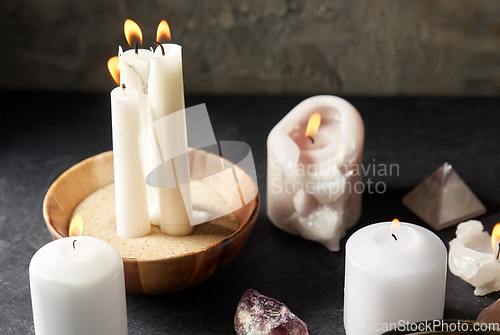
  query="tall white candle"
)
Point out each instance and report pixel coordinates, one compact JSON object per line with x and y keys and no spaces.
{"x":314,"y":189}
{"x":78,"y":287}
{"x":166,"y":101}
{"x":392,"y":278}
{"x":134,"y":73}
{"x":132,"y":215}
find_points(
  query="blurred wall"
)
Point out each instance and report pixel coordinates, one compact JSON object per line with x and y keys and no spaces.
{"x":361,"y":47}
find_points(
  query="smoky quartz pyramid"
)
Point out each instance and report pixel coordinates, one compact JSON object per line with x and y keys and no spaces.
{"x":443,"y":199}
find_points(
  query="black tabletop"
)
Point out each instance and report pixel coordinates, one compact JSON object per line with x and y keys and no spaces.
{"x":43,"y":134}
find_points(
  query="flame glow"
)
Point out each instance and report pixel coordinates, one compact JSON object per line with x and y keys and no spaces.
{"x":133,"y":32}
{"x":113,"y":69}
{"x":495,"y":237}
{"x":163,"y":32}
{"x":76,"y":226}
{"x":313,"y":125}
{"x":395,"y":225}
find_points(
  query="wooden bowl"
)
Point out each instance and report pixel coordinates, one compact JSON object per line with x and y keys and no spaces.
{"x":150,"y":276}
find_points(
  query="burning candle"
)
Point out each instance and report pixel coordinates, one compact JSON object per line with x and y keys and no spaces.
{"x":474,"y":256}
{"x":78,"y":287}
{"x":313,"y":182}
{"x":132,"y":215}
{"x":134,"y":65}
{"x":166,"y":102}
{"x":393,"y":275}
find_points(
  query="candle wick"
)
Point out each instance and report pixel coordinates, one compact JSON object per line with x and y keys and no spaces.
{"x":498,"y":252}
{"x":136,"y":47}
{"x":123,"y":86}
{"x":312,"y":139}
{"x":395,"y":238}
{"x":74,"y":244}
{"x":162,"y":48}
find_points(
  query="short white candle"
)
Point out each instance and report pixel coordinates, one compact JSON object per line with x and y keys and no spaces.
{"x":314,"y":189}
{"x":78,"y":288}
{"x":132,"y":215}
{"x":393,"y":279}
{"x":166,"y":101}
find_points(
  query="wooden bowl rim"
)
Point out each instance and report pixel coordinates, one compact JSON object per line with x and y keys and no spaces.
{"x":247,"y":224}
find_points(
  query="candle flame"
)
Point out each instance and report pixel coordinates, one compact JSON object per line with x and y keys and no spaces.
{"x":395,"y":225}
{"x":313,"y":125}
{"x":495,"y":237}
{"x":133,"y":32}
{"x":113,"y":69}
{"x":76,"y":226}
{"x":163,"y":32}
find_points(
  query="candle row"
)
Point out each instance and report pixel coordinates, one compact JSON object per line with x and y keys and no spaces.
{"x":151,"y":88}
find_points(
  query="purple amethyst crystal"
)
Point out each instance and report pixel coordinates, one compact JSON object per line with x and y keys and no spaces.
{"x":260,"y":315}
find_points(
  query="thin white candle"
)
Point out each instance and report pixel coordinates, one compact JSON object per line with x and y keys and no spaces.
{"x":166,"y":102}
{"x":392,"y":278}
{"x":78,"y":287}
{"x":134,"y":68}
{"x":132,"y":215}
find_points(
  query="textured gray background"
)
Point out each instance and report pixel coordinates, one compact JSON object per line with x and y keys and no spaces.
{"x":362,"y":47}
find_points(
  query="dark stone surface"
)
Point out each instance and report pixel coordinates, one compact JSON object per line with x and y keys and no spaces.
{"x":43,"y":134}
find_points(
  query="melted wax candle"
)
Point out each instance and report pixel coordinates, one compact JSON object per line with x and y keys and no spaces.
{"x":313,"y":182}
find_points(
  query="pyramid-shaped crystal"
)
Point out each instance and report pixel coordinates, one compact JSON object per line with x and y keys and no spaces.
{"x":443,"y":199}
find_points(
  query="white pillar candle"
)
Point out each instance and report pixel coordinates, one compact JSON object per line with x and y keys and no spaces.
{"x":166,"y":101}
{"x":78,"y":288}
{"x":393,"y":277}
{"x":314,"y":190}
{"x":132,"y":215}
{"x":473,"y":257}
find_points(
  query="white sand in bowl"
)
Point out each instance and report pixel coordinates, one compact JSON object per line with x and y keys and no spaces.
{"x":99,"y":220}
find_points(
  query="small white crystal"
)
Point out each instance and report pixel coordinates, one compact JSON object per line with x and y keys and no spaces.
{"x":472,"y":258}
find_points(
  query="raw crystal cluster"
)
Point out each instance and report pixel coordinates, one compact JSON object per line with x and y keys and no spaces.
{"x":472,"y":258}
{"x":261,"y":315}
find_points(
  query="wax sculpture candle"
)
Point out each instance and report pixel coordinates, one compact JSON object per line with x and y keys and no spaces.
{"x":393,"y":277}
{"x":313,"y":180}
{"x":78,"y":288}
{"x":474,"y":256}
{"x":166,"y":102}
{"x":132,"y":215}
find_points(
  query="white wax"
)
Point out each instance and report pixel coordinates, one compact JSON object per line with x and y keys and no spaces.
{"x":166,"y":102}
{"x":472,"y":258}
{"x":134,"y":73}
{"x":78,"y":290}
{"x":312,"y":189}
{"x":389,"y":281}
{"x":132,"y":215}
